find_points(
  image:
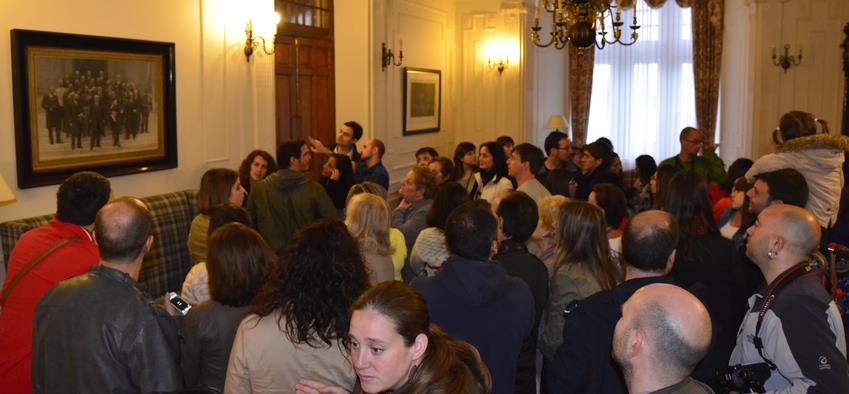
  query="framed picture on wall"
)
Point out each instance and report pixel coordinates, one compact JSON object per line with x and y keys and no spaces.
{"x":91,"y":103}
{"x":422,"y":100}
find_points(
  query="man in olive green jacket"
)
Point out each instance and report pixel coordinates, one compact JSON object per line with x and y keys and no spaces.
{"x":288,"y":200}
{"x":708,"y":165}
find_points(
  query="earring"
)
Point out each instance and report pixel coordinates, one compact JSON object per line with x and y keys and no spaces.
{"x":771,"y":255}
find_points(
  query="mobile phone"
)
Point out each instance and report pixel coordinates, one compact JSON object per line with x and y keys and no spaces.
{"x":179,"y":303}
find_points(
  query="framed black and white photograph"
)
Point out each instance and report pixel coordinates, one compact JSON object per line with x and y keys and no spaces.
{"x":91,"y":103}
{"x":422,"y":100}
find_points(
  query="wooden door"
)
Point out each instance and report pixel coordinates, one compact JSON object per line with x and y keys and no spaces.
{"x":304,"y":75}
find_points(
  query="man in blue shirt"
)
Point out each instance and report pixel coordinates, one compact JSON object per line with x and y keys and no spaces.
{"x":371,"y":168}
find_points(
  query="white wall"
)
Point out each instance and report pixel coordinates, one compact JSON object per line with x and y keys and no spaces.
{"x":224,"y":104}
{"x":758,"y":92}
{"x":427,"y":29}
{"x":354,"y":58}
{"x":489,"y":103}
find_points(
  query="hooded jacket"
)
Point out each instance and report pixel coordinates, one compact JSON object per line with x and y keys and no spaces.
{"x":284,"y":202}
{"x":480,"y":303}
{"x":819,"y":158}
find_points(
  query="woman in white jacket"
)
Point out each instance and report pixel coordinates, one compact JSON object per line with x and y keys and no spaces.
{"x":492,"y":179}
{"x":818,"y":156}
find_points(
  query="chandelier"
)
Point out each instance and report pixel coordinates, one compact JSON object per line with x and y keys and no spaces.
{"x":579,"y":21}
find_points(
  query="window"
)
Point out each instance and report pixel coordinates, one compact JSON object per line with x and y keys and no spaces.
{"x":305,"y":18}
{"x":643,"y":94}
{"x":314,"y":13}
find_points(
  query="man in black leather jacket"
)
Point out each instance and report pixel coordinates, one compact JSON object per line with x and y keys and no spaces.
{"x":98,"y":332}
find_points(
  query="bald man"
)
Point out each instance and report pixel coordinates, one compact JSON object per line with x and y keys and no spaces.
{"x":663,"y":333}
{"x":98,"y":331}
{"x":708,"y":165}
{"x":801,"y":331}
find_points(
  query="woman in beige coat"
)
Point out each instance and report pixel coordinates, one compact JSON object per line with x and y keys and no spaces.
{"x":300,"y":317}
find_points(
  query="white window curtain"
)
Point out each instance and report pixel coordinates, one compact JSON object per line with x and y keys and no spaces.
{"x":643,"y":94}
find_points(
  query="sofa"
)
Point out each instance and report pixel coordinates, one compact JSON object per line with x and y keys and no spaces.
{"x":168,"y":261}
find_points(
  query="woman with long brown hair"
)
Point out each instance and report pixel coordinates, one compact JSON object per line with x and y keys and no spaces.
{"x":395,"y":348}
{"x":217,"y":186}
{"x":239,"y":263}
{"x":707,"y":261}
{"x":255,"y":167}
{"x":582,"y":267}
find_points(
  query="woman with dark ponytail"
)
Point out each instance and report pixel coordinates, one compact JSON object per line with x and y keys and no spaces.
{"x":814,"y":153}
{"x":395,"y":348}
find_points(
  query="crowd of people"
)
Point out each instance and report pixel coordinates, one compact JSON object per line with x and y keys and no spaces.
{"x":85,"y":104}
{"x":507,"y":268}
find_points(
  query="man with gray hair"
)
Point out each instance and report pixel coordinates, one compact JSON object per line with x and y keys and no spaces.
{"x":98,"y":331}
{"x":792,"y":332}
{"x":663,"y":333}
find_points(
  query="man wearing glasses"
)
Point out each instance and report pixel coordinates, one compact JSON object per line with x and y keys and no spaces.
{"x":708,"y":165}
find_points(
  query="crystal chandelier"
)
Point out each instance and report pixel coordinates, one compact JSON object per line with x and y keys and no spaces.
{"x":579,"y":21}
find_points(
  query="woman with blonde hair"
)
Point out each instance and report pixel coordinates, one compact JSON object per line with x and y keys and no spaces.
{"x":396,"y":238}
{"x":543,"y":241}
{"x":583,"y":267}
{"x":367,"y":218}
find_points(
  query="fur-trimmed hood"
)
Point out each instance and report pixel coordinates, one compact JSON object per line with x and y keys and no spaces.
{"x":816,"y":141}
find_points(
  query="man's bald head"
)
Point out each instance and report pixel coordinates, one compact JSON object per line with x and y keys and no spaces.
{"x":121,"y":229}
{"x":674,"y":328}
{"x":798,"y":227}
{"x":689,"y":132}
{"x":649,"y":239}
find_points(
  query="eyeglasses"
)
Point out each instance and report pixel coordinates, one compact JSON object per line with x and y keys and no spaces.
{"x":697,"y":142}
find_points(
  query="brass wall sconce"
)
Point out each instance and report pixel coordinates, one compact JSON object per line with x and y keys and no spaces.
{"x":500,"y":66}
{"x":388,"y":58}
{"x":252,"y":42}
{"x":787,"y":60}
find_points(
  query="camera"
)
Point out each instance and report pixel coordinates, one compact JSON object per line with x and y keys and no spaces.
{"x":745,"y":378}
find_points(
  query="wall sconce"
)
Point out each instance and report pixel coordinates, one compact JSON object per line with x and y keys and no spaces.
{"x":499,"y":51}
{"x":388,"y":58}
{"x":500,"y":66}
{"x":787,"y":59}
{"x":252,"y":42}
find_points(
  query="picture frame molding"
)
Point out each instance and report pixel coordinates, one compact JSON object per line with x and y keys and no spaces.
{"x":406,"y":102}
{"x":114,"y":164}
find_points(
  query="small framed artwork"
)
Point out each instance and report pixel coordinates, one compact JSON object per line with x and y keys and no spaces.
{"x":91,"y":103}
{"x":422,"y":100}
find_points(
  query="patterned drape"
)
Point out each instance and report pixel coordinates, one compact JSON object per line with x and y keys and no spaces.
{"x":581,"y":62}
{"x":707,"y":64}
{"x":707,"y":61}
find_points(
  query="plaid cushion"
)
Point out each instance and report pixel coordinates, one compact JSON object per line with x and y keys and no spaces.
{"x":10,"y":232}
{"x":168,"y":261}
